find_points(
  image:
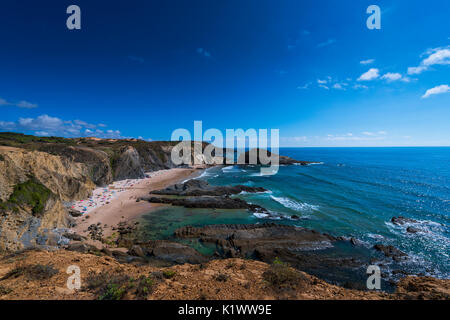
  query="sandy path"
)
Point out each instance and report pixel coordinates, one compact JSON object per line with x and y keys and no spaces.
{"x":124,"y":207}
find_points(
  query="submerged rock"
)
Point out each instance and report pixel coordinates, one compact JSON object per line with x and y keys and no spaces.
{"x":412,"y":230}
{"x":402,"y":220}
{"x":391,"y":252}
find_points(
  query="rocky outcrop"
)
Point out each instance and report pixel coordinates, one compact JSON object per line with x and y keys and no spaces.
{"x":168,"y":251}
{"x":402,"y":220}
{"x":50,"y":172}
{"x":267,"y":242}
{"x":423,"y":288}
{"x":253,"y":157}
{"x":129,"y":166}
{"x":33,"y":187}
{"x":203,"y":188}
{"x":207,"y":202}
{"x":391,"y":252}
{"x":199,"y":194}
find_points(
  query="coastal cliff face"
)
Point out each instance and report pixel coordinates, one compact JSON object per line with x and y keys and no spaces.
{"x":39,"y":175}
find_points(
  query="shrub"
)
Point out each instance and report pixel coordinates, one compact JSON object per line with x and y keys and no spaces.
{"x":109,"y":286}
{"x":168,"y":274}
{"x":32,"y":272}
{"x":32,"y":194}
{"x":281,"y":277}
{"x":222,"y":277}
{"x":4,"y":290}
{"x":144,"y":287}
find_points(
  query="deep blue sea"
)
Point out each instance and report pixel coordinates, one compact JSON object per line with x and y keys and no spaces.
{"x":352,"y":192}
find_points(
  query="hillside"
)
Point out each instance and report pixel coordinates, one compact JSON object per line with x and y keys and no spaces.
{"x":39,"y":175}
{"x":28,"y":275}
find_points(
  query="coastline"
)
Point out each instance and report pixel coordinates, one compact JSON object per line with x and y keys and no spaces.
{"x":124,"y":208}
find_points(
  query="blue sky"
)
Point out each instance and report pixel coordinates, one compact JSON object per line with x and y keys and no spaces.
{"x":311,"y":69}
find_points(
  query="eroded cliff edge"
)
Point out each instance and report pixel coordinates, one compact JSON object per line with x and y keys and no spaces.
{"x":40,"y":175}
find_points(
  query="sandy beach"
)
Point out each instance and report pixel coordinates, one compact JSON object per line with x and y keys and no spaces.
{"x":118,"y":202}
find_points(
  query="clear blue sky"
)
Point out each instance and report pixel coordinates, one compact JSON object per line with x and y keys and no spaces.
{"x":145,"y":68}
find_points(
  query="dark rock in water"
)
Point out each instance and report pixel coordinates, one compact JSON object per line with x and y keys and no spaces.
{"x":401,"y":272}
{"x":402,"y":220}
{"x":391,"y":252}
{"x":203,"y":188}
{"x":295,"y":217}
{"x":412,"y":230}
{"x":208,"y":202}
{"x":302,"y":248}
{"x":264,"y":239}
{"x":355,"y":242}
{"x":253,"y":157}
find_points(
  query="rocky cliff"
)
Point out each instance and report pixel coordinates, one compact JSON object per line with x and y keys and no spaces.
{"x":38,"y":175}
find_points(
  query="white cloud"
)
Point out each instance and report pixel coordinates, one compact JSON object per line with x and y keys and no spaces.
{"x":326,"y":43}
{"x":21,"y":104}
{"x":324,"y":86}
{"x":338,"y":86}
{"x":7,"y":125}
{"x":369,"y":61}
{"x":360,"y":86}
{"x":391,"y":76}
{"x":304,"y":87}
{"x":321,"y":81}
{"x":45,"y":125}
{"x":436,"y":56}
{"x":372,"y":74}
{"x":416,"y":70}
{"x":366,"y":136}
{"x":436,"y":90}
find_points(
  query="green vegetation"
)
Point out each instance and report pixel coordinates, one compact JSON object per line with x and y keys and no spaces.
{"x":32,"y":272}
{"x":2,"y":158}
{"x":281,"y":277}
{"x":169,"y":274}
{"x":4,"y":290}
{"x":28,"y":194}
{"x":20,"y":140}
{"x":109,"y":286}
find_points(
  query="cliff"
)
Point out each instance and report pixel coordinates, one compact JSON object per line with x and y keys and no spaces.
{"x":38,"y":175}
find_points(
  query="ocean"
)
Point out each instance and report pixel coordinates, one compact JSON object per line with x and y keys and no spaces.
{"x":352,"y":192}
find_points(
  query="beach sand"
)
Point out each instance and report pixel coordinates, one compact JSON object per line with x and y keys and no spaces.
{"x":122,"y":207}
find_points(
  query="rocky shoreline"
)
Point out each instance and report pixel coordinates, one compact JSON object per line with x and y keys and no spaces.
{"x":304,"y":249}
{"x":49,"y":173}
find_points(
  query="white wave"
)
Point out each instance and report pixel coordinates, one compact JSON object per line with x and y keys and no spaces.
{"x":375,"y":236}
{"x":309,"y":164}
{"x":261,"y":215}
{"x":294,"y":205}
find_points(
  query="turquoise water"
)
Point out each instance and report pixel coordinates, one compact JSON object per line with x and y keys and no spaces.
{"x":353,"y":192}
